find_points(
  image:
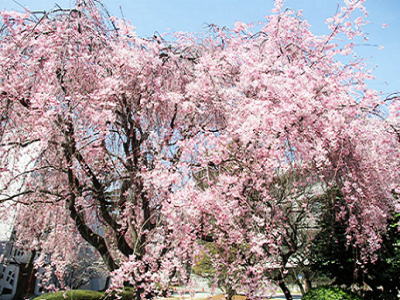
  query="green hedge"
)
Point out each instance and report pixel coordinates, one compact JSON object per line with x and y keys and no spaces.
{"x":329,"y":293}
{"x":72,"y":295}
{"x":86,"y":295}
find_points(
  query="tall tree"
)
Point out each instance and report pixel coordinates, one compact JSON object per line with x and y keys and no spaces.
{"x":300,"y":125}
{"x":93,"y":116}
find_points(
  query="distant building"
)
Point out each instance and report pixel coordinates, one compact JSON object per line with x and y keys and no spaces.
{"x":13,"y":266}
{"x":9,"y":272}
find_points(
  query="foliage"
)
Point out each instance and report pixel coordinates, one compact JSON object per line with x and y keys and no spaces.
{"x":203,"y":265}
{"x":208,"y":266}
{"x":336,"y":257}
{"x":329,"y":293}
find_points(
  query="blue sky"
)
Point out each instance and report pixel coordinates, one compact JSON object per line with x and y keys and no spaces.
{"x":150,"y":16}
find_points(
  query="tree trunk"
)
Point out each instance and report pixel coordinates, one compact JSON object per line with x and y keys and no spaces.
{"x":285,"y":290}
{"x":74,"y":186}
{"x":300,"y":285}
{"x":25,"y":278}
{"x":230,"y":293}
{"x":308,"y":284}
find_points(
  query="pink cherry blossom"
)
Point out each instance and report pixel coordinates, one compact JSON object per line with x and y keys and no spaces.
{"x":146,"y":150}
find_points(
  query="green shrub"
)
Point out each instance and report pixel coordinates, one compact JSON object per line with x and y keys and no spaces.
{"x":72,"y":295}
{"x":329,"y":293}
{"x":87,"y":295}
